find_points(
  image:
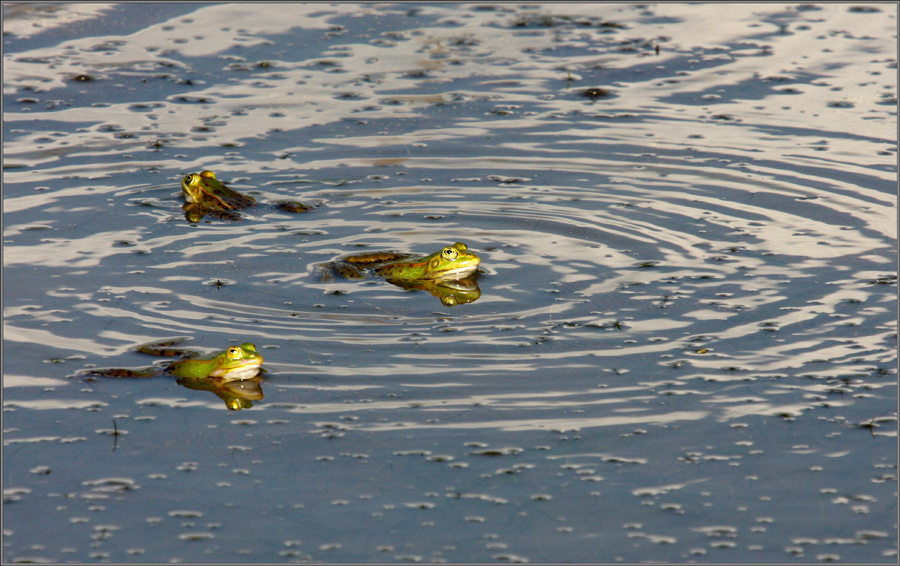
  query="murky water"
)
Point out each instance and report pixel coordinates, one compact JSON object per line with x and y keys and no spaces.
{"x":683,"y":341}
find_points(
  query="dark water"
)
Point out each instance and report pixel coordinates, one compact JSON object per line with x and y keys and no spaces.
{"x":685,"y":343}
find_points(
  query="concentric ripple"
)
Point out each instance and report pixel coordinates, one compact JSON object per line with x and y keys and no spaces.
{"x":680,"y":345}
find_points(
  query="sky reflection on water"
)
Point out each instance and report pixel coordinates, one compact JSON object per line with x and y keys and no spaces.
{"x":684,"y":347}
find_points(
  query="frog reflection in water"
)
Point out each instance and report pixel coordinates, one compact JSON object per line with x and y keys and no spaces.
{"x":230,"y":374}
{"x":206,"y":195}
{"x":448,"y":274}
{"x":451,"y":292}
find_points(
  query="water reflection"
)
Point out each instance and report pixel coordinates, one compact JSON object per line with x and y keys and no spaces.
{"x":237,"y":395}
{"x":689,"y":269}
{"x":450,"y":292}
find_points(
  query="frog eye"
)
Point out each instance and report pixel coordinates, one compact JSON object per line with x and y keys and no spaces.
{"x":234,"y":353}
{"x":449,"y":254}
{"x":190,"y":179}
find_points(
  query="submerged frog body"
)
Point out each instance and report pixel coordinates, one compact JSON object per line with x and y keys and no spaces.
{"x":452,"y":262}
{"x":206,"y":195}
{"x":235,"y":363}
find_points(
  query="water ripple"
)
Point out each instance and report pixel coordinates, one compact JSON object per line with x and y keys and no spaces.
{"x":688,"y":273}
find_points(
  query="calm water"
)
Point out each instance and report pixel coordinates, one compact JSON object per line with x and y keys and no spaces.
{"x":682,"y":347}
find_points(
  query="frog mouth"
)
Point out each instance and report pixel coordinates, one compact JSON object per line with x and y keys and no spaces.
{"x":244,"y":371}
{"x":457,"y":273}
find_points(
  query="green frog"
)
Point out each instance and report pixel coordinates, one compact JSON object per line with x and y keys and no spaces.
{"x":231,"y":374}
{"x":235,"y":363}
{"x":452,"y":262}
{"x":206,"y":195}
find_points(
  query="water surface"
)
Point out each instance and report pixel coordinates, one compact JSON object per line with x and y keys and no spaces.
{"x":684,"y":347}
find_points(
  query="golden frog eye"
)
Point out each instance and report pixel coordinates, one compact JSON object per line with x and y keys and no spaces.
{"x":449,"y":254}
{"x":190,"y":179}
{"x":234,"y":353}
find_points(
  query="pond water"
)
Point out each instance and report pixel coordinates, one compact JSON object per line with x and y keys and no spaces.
{"x":681,"y":344}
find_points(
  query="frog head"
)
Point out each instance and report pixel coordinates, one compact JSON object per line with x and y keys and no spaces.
{"x":237,"y":362}
{"x":452,"y":262}
{"x":205,"y":190}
